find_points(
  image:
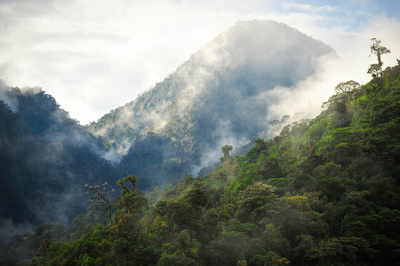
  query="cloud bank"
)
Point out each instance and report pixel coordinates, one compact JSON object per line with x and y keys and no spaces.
{"x":93,"y":56}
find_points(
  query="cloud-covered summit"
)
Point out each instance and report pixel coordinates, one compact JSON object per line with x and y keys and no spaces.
{"x":95,"y":55}
{"x":220,"y":95}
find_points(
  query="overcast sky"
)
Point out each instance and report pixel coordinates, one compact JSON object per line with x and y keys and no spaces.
{"x":94,"y":56}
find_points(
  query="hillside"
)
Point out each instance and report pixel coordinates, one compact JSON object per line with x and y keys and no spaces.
{"x":45,"y":159}
{"x":323,"y":192}
{"x":220,"y":95}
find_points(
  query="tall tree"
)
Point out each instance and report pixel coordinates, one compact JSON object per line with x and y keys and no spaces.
{"x":376,"y":48}
{"x":226,"y":149}
{"x":100,"y":195}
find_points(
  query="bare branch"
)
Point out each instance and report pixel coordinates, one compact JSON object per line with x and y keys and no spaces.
{"x":100,"y":195}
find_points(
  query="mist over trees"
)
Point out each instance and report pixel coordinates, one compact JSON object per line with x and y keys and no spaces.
{"x":46,"y":157}
{"x":323,"y":192}
{"x":220,"y":95}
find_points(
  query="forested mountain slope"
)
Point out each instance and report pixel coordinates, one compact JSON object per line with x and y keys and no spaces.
{"x":221,"y":94}
{"x":45,"y":159}
{"x":218,"y":95}
{"x":325,"y":191}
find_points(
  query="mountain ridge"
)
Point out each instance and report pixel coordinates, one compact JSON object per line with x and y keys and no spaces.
{"x":216,"y":97}
{"x":220,"y":94}
{"x":45,"y":159}
{"x":325,"y":191}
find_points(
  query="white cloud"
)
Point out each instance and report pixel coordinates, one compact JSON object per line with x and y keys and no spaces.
{"x":93,"y":56}
{"x":309,"y":8}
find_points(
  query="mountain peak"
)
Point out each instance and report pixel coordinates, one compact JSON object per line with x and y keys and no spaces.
{"x":256,"y":39}
{"x":220,"y":95}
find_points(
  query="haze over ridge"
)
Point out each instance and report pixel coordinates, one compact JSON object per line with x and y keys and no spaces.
{"x":227,"y":92}
{"x":76,"y":49}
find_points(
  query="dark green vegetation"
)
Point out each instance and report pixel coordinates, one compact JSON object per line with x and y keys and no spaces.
{"x":45,"y":158}
{"x":219,"y":94}
{"x":323,"y":192}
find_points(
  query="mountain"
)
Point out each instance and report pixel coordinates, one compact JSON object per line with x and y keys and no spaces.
{"x":45,"y":159}
{"x":325,"y":191}
{"x":219,"y":96}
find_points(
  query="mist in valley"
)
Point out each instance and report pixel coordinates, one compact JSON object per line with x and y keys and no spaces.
{"x":248,"y":82}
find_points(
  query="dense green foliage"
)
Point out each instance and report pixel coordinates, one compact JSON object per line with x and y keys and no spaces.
{"x":324,"y":192}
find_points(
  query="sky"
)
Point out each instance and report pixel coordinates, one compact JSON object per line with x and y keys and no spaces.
{"x":94,"y":56}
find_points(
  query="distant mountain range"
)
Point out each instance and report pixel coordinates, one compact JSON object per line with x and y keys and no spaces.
{"x":219,"y":96}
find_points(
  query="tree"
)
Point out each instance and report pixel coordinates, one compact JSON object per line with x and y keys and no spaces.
{"x":226,"y":149}
{"x":131,"y":179}
{"x":100,"y":195}
{"x":256,"y":202}
{"x":351,"y":250}
{"x":131,"y":200}
{"x":346,"y":92}
{"x":348,"y":89}
{"x":376,"y":48}
{"x":197,"y":198}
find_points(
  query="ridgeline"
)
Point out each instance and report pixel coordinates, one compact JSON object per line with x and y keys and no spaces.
{"x":325,"y":191}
